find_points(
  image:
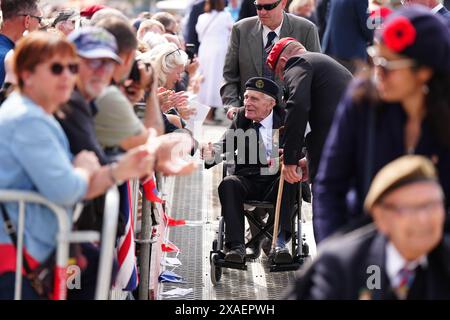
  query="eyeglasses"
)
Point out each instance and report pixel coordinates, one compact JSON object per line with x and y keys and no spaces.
{"x":172,"y":52}
{"x":427,"y":207}
{"x":267,"y":7}
{"x":389,"y":65}
{"x":97,"y":64}
{"x":38,"y":18}
{"x":58,"y":68}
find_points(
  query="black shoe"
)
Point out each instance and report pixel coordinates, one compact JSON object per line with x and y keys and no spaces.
{"x":266,"y":246}
{"x":236,"y":254}
{"x":281,"y":255}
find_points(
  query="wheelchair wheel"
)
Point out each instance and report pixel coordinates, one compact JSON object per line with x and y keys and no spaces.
{"x":216,"y":271}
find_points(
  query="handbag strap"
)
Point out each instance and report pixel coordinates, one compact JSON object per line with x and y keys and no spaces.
{"x":11,"y":231}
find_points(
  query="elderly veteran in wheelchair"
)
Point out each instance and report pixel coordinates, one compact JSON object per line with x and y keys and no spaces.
{"x":251,"y":141}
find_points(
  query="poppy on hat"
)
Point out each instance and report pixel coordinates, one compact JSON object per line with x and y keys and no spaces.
{"x":417,"y":33}
{"x":277,"y":50}
{"x":88,"y":12}
{"x":263,"y":85}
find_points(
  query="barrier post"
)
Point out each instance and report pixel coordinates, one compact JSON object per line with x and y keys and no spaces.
{"x":145,"y":249}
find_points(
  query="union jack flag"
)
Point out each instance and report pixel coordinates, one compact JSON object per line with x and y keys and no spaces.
{"x":127,"y":276}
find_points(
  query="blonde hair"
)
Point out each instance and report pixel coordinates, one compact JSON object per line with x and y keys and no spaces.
{"x":153,"y":40}
{"x":147,"y":25}
{"x":165,"y":58}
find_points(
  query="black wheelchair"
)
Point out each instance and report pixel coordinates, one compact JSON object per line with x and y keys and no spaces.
{"x":300,"y":249}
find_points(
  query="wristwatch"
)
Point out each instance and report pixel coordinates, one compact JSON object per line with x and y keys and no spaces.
{"x":116,"y":181}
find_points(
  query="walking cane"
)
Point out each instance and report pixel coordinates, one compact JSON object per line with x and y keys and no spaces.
{"x":277,"y":210}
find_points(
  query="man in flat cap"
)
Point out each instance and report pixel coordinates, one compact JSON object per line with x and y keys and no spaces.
{"x":252,"y":142}
{"x":402,"y":255}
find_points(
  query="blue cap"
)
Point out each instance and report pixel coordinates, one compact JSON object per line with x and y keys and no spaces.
{"x":95,"y":43}
{"x":414,"y":31}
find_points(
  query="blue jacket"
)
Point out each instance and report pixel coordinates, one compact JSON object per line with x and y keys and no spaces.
{"x":346,"y":34}
{"x":6,"y":45}
{"x":344,"y":160}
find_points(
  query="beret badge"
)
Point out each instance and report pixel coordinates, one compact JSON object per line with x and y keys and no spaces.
{"x":259,"y":84}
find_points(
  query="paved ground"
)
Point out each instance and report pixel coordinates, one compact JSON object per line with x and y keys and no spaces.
{"x":195,"y":199}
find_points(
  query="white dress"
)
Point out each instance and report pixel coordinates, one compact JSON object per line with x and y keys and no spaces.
{"x":213,"y":29}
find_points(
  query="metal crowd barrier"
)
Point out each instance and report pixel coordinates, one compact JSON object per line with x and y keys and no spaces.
{"x":65,"y":236}
{"x":144,"y":239}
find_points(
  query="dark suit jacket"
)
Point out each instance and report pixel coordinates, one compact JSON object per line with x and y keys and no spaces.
{"x":78,"y":124}
{"x":315,"y":84}
{"x":191,"y":34}
{"x":343,"y":267}
{"x":347,"y":35}
{"x":244,"y":58}
{"x":322,"y":9}
{"x":447,"y":4}
{"x":240,"y":151}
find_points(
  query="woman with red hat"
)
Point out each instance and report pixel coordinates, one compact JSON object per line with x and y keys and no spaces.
{"x":404,"y":108}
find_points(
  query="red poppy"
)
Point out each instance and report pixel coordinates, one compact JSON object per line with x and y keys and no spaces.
{"x":399,"y":34}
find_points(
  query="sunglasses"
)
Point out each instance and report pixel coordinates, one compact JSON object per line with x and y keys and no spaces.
{"x":58,"y":68}
{"x":97,"y":64}
{"x":267,"y":7}
{"x":39,"y":19}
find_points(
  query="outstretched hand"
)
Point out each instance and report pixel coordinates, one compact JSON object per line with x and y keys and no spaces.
{"x":172,"y":153}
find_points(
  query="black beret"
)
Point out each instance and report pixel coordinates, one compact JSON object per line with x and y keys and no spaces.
{"x":263,"y":85}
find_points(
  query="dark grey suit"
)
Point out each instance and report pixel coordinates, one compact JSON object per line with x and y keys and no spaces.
{"x":244,"y":58}
{"x":344,"y":264}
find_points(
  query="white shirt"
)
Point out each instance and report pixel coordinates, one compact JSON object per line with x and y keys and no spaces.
{"x":266,"y":132}
{"x":437,"y":8}
{"x":395,"y":262}
{"x":266,"y":31}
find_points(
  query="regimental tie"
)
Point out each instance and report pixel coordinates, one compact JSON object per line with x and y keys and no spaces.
{"x":270,"y":37}
{"x":259,"y":139}
{"x":404,"y":280}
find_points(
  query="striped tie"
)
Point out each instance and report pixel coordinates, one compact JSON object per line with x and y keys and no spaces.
{"x":405,"y":278}
{"x":270,"y":37}
{"x":266,"y":72}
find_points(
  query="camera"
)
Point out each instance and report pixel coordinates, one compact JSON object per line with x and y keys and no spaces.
{"x":135,"y":74}
{"x":190,"y":50}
